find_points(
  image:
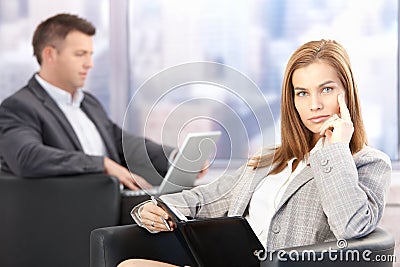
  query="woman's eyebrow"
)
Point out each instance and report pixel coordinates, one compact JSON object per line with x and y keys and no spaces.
{"x":321,"y":85}
{"x":325,"y":83}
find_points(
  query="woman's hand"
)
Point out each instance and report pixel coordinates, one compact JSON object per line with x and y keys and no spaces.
{"x":155,"y":218}
{"x":339,"y":128}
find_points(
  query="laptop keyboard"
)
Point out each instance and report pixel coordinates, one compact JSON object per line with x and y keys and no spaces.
{"x":131,"y":193}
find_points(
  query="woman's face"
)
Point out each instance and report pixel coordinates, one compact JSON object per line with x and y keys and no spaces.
{"x":316,"y":90}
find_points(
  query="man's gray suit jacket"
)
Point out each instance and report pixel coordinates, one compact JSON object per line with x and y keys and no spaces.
{"x":36,"y":138}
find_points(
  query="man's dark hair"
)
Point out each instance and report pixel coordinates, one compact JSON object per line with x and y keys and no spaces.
{"x":53,"y":30}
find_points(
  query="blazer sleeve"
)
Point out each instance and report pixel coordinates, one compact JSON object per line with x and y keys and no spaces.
{"x":208,"y":201}
{"x":24,"y":152}
{"x":351,"y":189}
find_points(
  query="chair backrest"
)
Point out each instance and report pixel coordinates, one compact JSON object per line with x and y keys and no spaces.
{"x":47,"y":221}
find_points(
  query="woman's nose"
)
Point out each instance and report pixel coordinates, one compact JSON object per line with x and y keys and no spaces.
{"x":316,"y":103}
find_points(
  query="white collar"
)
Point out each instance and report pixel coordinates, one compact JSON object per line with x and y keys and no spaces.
{"x":61,"y":97}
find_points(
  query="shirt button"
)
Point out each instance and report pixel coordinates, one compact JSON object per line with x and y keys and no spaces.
{"x":324,"y":162}
{"x":327,"y":169}
{"x":276,"y":229}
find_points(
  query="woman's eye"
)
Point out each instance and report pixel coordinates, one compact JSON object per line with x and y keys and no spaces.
{"x":301,"y":93}
{"x":327,"y":89}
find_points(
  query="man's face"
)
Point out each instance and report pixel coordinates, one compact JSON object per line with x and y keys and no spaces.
{"x":72,"y":61}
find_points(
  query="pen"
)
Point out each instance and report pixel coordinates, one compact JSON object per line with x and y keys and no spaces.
{"x":154,"y":201}
{"x":166,"y":223}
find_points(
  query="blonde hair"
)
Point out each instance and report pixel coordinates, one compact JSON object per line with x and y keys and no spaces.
{"x":296,"y":139}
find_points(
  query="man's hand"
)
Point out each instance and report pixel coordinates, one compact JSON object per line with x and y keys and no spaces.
{"x":128,"y":179}
{"x":204,"y":170}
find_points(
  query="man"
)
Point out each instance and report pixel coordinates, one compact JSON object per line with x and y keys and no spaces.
{"x":52,"y":127}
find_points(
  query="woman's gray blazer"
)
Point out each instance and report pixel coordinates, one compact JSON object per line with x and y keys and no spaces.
{"x":338,"y":195}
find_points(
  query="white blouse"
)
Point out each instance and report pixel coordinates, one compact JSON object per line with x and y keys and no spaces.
{"x":269,"y":193}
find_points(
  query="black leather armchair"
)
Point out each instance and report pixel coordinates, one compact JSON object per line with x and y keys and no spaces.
{"x":111,"y":245}
{"x":47,"y":221}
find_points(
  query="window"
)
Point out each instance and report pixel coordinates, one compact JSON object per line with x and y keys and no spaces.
{"x":252,"y":37}
{"x":256,"y":38}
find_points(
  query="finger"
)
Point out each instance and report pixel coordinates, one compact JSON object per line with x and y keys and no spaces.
{"x":151,"y":217}
{"x":329,"y":123}
{"x":150,"y":224}
{"x":155,"y":225}
{"x":328,"y":134}
{"x":171,"y":225}
{"x":202,"y":173}
{"x":141,"y":182}
{"x":149,"y":210}
{"x":344,"y":111}
{"x":323,"y":131}
{"x":159,"y":223}
{"x":129,"y":184}
{"x":328,"y":127}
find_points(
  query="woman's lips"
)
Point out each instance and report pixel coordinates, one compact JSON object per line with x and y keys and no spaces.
{"x":318,"y":119}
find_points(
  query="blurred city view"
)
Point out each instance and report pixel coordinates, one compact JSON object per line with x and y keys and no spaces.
{"x":253,"y":37}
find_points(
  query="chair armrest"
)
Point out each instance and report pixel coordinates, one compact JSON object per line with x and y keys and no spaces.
{"x":111,"y":245}
{"x":48,"y":220}
{"x":365,"y":251}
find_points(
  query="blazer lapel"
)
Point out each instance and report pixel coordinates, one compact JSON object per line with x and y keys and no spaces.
{"x":52,"y":107}
{"x":245,"y":189}
{"x":303,"y":177}
{"x":101,"y":127}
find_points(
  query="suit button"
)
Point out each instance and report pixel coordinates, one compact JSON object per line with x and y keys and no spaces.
{"x":276,"y":229}
{"x":324,"y":162}
{"x":327,"y":169}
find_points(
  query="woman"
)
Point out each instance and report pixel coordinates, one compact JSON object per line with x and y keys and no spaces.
{"x":322,"y":183}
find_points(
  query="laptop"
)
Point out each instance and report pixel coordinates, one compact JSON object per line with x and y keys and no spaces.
{"x":195,"y":150}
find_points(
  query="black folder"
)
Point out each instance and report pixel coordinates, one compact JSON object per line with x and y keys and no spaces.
{"x":224,"y":241}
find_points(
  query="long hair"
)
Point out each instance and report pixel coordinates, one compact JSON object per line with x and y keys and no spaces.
{"x":53,"y":31}
{"x":296,"y":139}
